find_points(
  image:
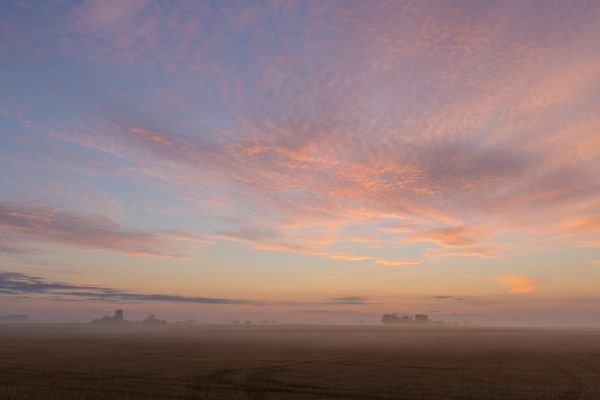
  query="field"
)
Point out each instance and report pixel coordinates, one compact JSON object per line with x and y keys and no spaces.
{"x":297,"y":362}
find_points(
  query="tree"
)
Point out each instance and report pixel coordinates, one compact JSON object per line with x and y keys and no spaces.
{"x":422,"y":319}
{"x":394,"y":319}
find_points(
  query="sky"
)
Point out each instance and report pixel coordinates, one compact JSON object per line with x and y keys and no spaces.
{"x":312,"y":162}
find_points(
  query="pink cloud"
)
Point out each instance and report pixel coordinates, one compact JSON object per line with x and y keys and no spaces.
{"x":348,"y":257}
{"x":106,"y":13}
{"x":485,"y":251}
{"x":457,"y":122}
{"x":585,"y":225}
{"x":24,"y":224}
{"x":454,"y":236}
{"x":266,"y":240}
{"x":392,"y":262}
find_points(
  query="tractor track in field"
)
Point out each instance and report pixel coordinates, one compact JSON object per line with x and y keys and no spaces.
{"x":577,"y":385}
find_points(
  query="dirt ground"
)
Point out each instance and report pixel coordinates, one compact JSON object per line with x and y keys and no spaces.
{"x":297,"y":362}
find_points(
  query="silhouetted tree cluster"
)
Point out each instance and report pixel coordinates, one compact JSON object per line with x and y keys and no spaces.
{"x":250,"y":322}
{"x":394,"y":319}
{"x":117,"y":318}
{"x":421,"y":319}
{"x":405,"y":319}
{"x":14,"y":318}
{"x":152,"y":320}
{"x":186,"y":322}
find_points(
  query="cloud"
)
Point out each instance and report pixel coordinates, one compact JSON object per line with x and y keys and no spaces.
{"x":107,"y":13}
{"x":8,"y":249}
{"x":398,"y":261}
{"x":348,"y":300}
{"x":348,"y":257}
{"x":15,"y":283}
{"x":29,"y":224}
{"x":594,"y":263}
{"x":19,"y":284}
{"x":454,"y":236}
{"x":463,"y":123}
{"x":518,"y":284}
{"x":443,"y":297}
{"x":489,"y":251}
{"x":266,"y":239}
{"x":331,"y":312}
{"x":585,"y":225}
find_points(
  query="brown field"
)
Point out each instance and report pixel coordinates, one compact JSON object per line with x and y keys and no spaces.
{"x":297,"y":362}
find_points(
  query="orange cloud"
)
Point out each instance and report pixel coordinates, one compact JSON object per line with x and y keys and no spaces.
{"x":595,"y":263}
{"x":518,"y":284}
{"x":454,"y":236}
{"x":583,"y":225}
{"x":348,"y":257}
{"x":153,"y":136}
{"x":489,"y":251}
{"x":398,"y":261}
{"x":266,"y":241}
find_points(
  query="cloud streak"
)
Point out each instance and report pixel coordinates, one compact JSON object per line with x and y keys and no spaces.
{"x":14,"y":283}
{"x":393,"y":262}
{"x":348,"y":300}
{"x":29,"y":224}
{"x":518,"y":284}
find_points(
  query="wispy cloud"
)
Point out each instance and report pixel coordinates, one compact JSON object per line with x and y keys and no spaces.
{"x":392,"y":262}
{"x":461,"y":123}
{"x":348,"y":257}
{"x":8,"y":249}
{"x":330,"y":312}
{"x":445,"y":297}
{"x":348,"y":300}
{"x":27,"y":224}
{"x":487,"y":251}
{"x":588,"y":224}
{"x":271,"y":240}
{"x":518,"y":284}
{"x":454,"y":236}
{"x":15,"y":283}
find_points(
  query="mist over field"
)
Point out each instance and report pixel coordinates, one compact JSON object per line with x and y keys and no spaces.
{"x":297,"y":362}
